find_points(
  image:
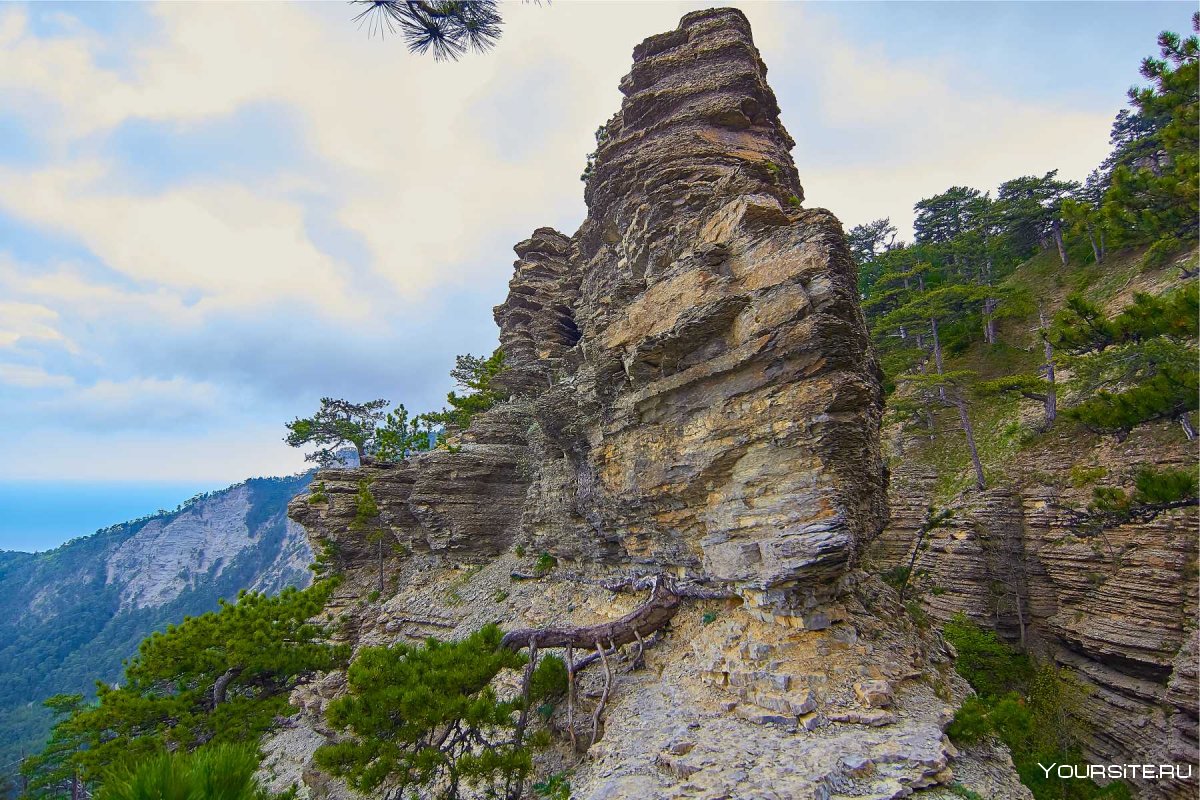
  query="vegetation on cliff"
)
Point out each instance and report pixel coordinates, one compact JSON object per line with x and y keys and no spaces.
{"x":381,"y":435}
{"x":1054,"y":323}
{"x":938,"y":306}
{"x":1029,"y":705}
{"x":220,"y":677}
{"x":430,"y":717}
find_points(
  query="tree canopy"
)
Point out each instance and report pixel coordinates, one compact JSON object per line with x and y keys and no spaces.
{"x":218,"y":677}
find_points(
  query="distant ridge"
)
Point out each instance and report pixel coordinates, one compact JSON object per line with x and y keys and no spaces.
{"x":71,"y":615}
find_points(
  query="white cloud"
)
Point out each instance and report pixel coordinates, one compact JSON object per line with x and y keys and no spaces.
{"x":27,"y":376}
{"x":137,"y":404}
{"x":215,"y":303}
{"x":912,"y":127}
{"x":24,"y":322}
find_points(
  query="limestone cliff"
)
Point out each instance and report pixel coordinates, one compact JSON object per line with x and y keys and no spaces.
{"x":1119,"y":609}
{"x":693,"y":394}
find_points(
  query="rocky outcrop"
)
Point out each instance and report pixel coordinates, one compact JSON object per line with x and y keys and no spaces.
{"x":1118,"y":608}
{"x":693,"y":394}
{"x":172,"y":554}
{"x":718,"y":407}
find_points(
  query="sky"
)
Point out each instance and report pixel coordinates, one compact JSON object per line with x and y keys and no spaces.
{"x":212,"y":215}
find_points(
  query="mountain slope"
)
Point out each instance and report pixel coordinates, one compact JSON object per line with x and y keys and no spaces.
{"x":71,"y":615}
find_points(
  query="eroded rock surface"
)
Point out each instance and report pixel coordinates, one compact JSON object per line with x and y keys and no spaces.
{"x":1118,"y":608}
{"x":693,"y":393}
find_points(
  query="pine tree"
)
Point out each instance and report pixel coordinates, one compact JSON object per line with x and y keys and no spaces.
{"x":219,"y":677}
{"x":474,"y":375}
{"x":1031,"y":207}
{"x":1154,"y":192}
{"x":53,"y":773}
{"x":427,"y":717}
{"x":401,"y":436}
{"x":447,"y":29}
{"x":336,"y":424}
{"x":1136,"y":367}
{"x":948,"y":388}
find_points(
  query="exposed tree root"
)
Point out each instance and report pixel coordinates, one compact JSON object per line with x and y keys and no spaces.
{"x":603,"y":695}
{"x":653,"y":615}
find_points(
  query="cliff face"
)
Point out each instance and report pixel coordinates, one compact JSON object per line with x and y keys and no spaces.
{"x":710,"y":402}
{"x":1118,"y":608}
{"x":71,"y":615}
{"x":693,"y":394}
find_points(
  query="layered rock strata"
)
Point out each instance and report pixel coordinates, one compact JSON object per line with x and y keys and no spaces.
{"x":692,"y":392}
{"x":1118,"y":608}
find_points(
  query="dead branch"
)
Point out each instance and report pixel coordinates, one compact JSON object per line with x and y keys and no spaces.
{"x":515,"y":792}
{"x":641,"y":651}
{"x":588,"y":660}
{"x":653,"y":615}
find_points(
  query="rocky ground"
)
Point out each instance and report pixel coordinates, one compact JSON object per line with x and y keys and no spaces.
{"x":722,"y":705}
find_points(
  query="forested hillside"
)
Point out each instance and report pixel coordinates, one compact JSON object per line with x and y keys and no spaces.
{"x":1040,"y":350}
{"x":72,"y":615}
{"x":936,"y":305}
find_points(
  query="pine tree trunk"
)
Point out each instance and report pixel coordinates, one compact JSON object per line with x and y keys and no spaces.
{"x":969,"y":430}
{"x":222,"y":684}
{"x":1056,"y":228}
{"x":989,"y":305}
{"x":937,"y":355}
{"x":1095,"y":249}
{"x":1051,"y":385}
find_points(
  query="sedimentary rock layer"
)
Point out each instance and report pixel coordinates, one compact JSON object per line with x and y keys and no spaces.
{"x":1117,"y":607}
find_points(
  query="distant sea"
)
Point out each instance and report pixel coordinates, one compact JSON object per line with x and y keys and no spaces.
{"x":41,"y":515}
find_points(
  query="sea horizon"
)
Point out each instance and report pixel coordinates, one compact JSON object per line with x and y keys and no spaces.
{"x":40,"y":514}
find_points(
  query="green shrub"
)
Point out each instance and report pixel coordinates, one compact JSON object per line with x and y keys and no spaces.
{"x":402,"y":698}
{"x":216,"y":772}
{"x":556,"y":787}
{"x":1159,"y":253}
{"x":971,"y":723}
{"x":990,"y":666}
{"x":895,"y":577}
{"x":545,"y":563}
{"x":549,"y":679}
{"x":1032,"y":708}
